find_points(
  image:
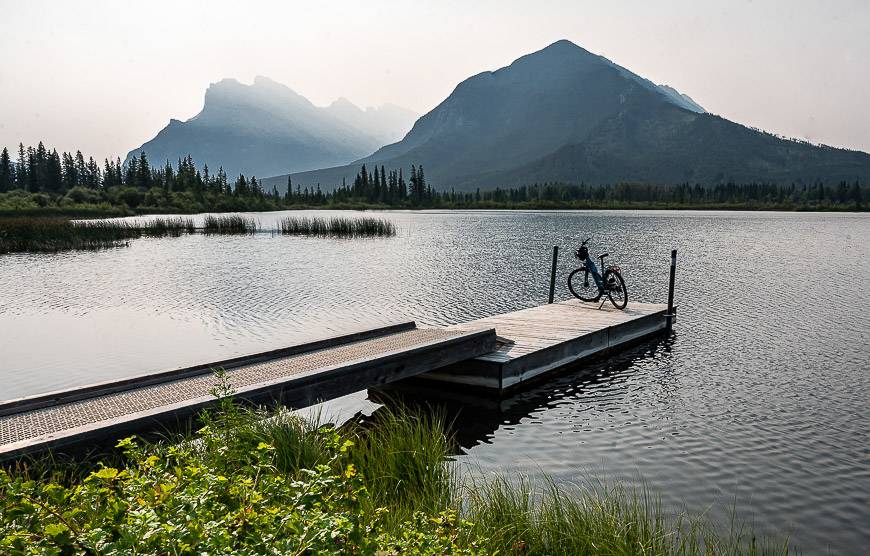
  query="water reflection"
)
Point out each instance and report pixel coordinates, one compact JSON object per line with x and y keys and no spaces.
{"x":475,"y":415}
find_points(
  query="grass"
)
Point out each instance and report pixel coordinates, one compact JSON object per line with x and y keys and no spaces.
{"x":229,"y":224}
{"x":261,"y":483}
{"x":34,"y":234}
{"x":172,"y":226}
{"x":41,"y":234}
{"x":337,"y":227}
{"x":57,"y":234}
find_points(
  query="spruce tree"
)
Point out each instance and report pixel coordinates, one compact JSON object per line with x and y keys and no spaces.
{"x":403,"y":189}
{"x":421,"y":183}
{"x":39,"y":168}
{"x":143,"y":176}
{"x":53,"y":172}
{"x":5,"y":171}
{"x":21,"y":169}
{"x":415,"y":186}
{"x":81,"y":169}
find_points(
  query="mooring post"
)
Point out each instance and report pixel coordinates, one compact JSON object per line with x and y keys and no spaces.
{"x":553,"y":273}
{"x":670,"y":316}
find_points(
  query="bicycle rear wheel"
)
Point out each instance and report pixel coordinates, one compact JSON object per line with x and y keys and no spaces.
{"x":582,"y":285}
{"x":616,"y":290}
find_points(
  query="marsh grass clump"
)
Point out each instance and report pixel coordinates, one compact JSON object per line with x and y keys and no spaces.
{"x":172,"y":227}
{"x":338,"y":226}
{"x":229,"y":224}
{"x":57,"y":234}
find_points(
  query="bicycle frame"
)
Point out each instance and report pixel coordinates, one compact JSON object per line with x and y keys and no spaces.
{"x":593,"y":269}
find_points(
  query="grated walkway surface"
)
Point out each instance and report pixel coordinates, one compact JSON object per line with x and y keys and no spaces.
{"x":40,"y":422}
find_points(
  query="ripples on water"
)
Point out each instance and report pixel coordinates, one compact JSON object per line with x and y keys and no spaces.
{"x":758,"y":402}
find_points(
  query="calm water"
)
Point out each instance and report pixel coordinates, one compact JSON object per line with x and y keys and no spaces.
{"x":759,"y":402}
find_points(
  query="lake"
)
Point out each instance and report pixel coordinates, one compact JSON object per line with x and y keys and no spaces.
{"x":758,"y":403}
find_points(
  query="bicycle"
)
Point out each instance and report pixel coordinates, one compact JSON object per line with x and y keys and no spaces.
{"x":610,"y":283}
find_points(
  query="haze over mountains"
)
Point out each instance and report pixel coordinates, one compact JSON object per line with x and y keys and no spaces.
{"x":565,"y":114}
{"x":266,"y":128}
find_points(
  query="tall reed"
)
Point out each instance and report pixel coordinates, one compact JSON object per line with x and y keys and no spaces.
{"x":229,"y":224}
{"x":172,"y":226}
{"x":57,"y":234}
{"x":337,"y":226}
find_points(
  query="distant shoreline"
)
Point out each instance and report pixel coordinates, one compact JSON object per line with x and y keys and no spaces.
{"x":123,"y":211}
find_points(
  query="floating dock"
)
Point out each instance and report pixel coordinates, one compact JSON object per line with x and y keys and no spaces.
{"x":536,"y":341}
{"x":498,"y":353}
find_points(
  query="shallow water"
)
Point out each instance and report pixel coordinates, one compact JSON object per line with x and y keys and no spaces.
{"x":758,"y":402}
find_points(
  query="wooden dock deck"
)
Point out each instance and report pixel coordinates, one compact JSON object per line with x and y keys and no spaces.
{"x":541,"y":339}
{"x":296,"y":376}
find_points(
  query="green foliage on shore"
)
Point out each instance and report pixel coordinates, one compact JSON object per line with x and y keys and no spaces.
{"x":43,"y":182}
{"x":256,"y":483}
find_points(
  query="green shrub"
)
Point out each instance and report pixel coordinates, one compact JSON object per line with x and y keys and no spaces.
{"x":254,"y":483}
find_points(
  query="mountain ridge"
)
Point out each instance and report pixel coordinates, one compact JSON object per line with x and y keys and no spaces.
{"x":267,"y":128}
{"x":565,"y":114}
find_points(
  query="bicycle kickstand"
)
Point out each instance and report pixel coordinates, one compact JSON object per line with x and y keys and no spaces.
{"x":602,"y":303}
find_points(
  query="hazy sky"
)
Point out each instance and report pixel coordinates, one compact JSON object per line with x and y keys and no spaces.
{"x":105,"y":76}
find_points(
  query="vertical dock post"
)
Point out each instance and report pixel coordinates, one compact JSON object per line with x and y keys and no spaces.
{"x":670,"y":316}
{"x":553,"y":273}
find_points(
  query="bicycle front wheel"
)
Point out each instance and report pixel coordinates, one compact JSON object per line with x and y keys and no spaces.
{"x":582,"y":285}
{"x":616,"y":289}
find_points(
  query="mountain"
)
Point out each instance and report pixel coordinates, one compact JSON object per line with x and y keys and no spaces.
{"x":565,"y":114}
{"x":387,"y":123}
{"x":266,"y":128}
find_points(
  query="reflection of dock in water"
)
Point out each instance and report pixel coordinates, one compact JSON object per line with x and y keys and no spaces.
{"x":475,"y":416}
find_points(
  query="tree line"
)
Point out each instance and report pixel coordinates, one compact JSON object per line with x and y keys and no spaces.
{"x":42,"y":177}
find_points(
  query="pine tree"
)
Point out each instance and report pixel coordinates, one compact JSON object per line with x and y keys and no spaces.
{"x":81,"y":169}
{"x":93,"y":173}
{"x":6,"y":177}
{"x":421,"y":184}
{"x":143,"y":176}
{"x":415,"y":185}
{"x":53,"y":172}
{"x":38,"y":168}
{"x":403,"y":189}
{"x":21,"y":179}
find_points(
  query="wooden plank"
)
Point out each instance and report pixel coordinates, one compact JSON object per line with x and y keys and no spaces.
{"x":550,"y":336}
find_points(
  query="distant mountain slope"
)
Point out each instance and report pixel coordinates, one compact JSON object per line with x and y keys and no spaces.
{"x":266,"y":129}
{"x":387,"y":123}
{"x":563,"y":113}
{"x":670,"y":145}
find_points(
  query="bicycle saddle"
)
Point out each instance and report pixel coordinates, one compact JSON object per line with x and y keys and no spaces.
{"x":602,"y":255}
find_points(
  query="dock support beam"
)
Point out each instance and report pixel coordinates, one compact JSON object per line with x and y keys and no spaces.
{"x":553,"y":273}
{"x":670,"y":314}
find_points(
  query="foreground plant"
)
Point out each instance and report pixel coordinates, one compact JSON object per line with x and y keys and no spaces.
{"x":256,"y":483}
